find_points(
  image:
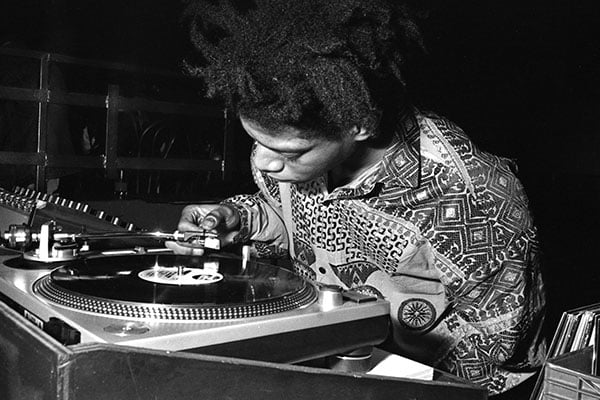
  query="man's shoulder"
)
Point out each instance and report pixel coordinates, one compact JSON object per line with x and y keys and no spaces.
{"x":443,"y":142}
{"x":437,"y":128}
{"x":444,"y":128}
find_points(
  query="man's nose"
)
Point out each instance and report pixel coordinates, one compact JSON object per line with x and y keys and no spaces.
{"x":267,"y":160}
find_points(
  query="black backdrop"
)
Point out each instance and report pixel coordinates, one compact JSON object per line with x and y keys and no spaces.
{"x":523,"y":80}
{"x":521,"y":77}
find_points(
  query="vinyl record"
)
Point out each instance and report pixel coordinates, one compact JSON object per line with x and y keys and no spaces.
{"x":172,"y":287}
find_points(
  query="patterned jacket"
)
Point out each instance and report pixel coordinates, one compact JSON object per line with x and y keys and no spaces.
{"x":438,"y":228}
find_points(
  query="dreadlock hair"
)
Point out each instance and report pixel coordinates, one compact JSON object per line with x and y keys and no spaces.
{"x":321,"y":66}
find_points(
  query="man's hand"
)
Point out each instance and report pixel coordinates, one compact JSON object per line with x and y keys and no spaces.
{"x":221,"y":219}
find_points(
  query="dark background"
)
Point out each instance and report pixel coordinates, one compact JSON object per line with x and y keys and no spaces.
{"x":523,"y":80}
{"x":520,"y":77}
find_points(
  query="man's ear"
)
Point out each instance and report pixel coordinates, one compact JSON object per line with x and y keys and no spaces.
{"x":361,"y":134}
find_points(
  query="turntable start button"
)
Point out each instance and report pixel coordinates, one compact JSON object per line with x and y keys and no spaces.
{"x":127,"y":329}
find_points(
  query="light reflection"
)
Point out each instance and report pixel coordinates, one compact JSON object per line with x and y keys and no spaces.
{"x":211,"y":266}
{"x":20,"y":283}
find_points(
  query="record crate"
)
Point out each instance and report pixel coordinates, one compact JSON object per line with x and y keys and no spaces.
{"x":568,"y":377}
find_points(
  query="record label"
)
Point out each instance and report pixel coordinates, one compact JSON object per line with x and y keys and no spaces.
{"x":180,"y":276}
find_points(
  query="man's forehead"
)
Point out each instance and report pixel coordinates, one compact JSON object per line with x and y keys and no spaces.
{"x":282,"y":133}
{"x":285,"y":133}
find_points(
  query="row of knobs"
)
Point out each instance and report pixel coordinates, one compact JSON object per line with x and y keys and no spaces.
{"x":33,"y":195}
{"x":15,"y":201}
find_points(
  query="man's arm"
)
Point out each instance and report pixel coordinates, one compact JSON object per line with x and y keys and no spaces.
{"x":260,"y":223}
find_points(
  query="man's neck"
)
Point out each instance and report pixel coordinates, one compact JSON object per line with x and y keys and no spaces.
{"x":361,"y":159}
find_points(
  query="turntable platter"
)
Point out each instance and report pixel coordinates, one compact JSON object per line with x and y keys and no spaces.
{"x":173,"y":287}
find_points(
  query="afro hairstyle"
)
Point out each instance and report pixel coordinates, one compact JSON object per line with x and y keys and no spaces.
{"x":321,"y":66}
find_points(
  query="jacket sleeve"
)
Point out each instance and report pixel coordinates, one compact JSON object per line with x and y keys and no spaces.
{"x":496,"y":318}
{"x":487,"y":251}
{"x":261,"y":221}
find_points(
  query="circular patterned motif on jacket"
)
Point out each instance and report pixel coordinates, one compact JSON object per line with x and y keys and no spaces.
{"x":416,"y":314}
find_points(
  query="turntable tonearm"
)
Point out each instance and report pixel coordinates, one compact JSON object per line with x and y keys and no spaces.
{"x":81,"y":290}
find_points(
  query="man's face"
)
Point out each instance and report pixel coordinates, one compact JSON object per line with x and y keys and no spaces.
{"x":287,"y":156}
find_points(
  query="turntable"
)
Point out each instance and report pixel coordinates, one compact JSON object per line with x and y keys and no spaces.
{"x":80,"y":290}
{"x":92,"y":308}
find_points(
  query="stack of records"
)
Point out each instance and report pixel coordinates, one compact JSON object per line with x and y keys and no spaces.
{"x":577,"y":329}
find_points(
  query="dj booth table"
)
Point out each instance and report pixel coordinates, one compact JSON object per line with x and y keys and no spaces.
{"x":35,"y":366}
{"x":141,"y":345}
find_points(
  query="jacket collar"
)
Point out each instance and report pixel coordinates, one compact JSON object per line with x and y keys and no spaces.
{"x":400,"y":165}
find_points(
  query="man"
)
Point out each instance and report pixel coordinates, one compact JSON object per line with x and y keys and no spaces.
{"x":365,"y":191}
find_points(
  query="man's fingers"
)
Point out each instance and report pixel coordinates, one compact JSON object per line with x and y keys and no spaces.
{"x":222,"y":215}
{"x":221,"y":219}
{"x":212,"y":220}
{"x":193,"y":215}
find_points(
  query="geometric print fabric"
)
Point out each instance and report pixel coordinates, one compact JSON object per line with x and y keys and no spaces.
{"x":434,"y":190}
